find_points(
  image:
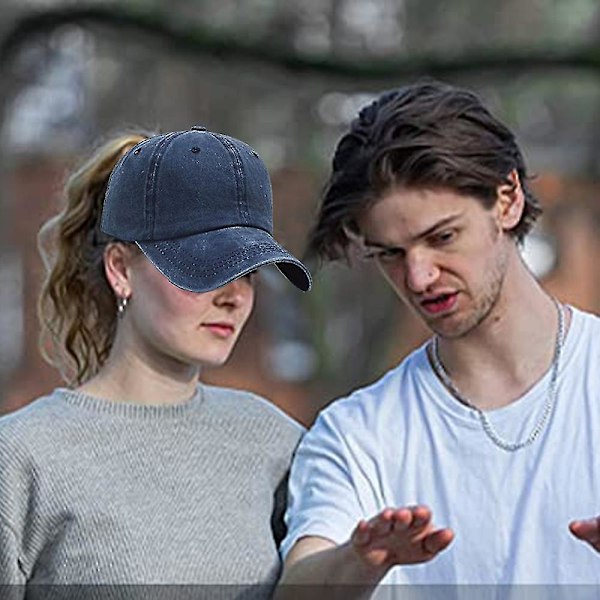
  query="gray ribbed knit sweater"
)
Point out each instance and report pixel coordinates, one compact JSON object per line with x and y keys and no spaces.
{"x":97,"y":492}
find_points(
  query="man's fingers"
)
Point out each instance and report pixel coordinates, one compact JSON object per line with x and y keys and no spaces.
{"x":361,"y":535}
{"x":587,"y":530}
{"x":381,"y":524}
{"x":400,"y":536}
{"x":402,"y":518}
{"x":437,"y":541}
{"x":412,"y":517}
{"x":421,"y":516}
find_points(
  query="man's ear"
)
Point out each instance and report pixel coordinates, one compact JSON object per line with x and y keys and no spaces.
{"x":510,"y":202}
{"x":117,"y":260}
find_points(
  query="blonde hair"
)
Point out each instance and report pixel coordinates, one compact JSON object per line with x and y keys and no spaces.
{"x":77,"y":306}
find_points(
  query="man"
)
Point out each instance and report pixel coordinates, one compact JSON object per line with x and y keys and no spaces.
{"x":489,"y":428}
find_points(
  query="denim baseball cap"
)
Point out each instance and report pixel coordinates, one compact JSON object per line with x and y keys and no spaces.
{"x":199,"y":206}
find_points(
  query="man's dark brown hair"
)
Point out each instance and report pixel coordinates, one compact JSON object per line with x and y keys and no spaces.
{"x":428,"y":134}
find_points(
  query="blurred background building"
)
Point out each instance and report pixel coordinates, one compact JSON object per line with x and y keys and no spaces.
{"x":287,"y":77}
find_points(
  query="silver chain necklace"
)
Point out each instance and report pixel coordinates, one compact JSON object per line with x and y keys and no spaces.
{"x":485,"y":422}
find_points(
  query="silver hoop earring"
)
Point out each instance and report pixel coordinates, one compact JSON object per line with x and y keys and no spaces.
{"x":121,"y":306}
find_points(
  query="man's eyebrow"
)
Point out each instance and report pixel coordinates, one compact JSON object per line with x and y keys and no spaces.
{"x":441,"y":223}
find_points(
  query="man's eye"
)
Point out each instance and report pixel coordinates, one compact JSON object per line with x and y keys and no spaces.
{"x":444,"y":237}
{"x":384,"y":255}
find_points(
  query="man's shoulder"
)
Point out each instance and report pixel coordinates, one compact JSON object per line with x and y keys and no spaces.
{"x":584,"y":331}
{"x":587,"y":317}
{"x":394,"y":385}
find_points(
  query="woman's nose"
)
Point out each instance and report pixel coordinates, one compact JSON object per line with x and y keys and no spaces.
{"x":234,"y":293}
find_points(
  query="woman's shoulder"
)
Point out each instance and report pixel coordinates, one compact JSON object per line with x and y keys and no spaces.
{"x":248,"y":408}
{"x":31,"y":430}
{"x":38,"y":414}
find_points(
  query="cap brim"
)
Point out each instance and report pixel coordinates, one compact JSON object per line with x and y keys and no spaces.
{"x":206,"y":261}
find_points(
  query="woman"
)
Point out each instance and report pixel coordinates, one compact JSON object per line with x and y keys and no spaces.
{"x":137,"y":473}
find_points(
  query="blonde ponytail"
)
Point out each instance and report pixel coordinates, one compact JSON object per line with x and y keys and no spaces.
{"x":76,"y":308}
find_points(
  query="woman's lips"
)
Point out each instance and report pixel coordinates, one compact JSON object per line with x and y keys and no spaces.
{"x":440,"y":303}
{"x":221,"y":330}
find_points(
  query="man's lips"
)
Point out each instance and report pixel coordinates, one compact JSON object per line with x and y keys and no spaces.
{"x":439,"y":303}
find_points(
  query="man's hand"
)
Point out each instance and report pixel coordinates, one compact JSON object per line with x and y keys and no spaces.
{"x":400,"y":536}
{"x":587,"y":530}
{"x":396,"y":536}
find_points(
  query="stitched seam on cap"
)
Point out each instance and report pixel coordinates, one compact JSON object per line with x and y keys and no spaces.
{"x":149,"y":198}
{"x":231,"y":261}
{"x":240,"y":179}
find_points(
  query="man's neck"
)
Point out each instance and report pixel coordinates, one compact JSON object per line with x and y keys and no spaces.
{"x":510,"y":350}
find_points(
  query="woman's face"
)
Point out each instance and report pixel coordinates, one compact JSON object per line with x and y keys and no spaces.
{"x":187,"y":327}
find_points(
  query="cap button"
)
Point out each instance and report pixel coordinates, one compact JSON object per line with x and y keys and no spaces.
{"x":198,"y":128}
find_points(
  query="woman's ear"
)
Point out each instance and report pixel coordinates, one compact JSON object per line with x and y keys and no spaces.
{"x":117,"y":261}
{"x":510,"y":202}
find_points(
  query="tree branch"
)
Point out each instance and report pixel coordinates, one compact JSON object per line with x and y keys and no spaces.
{"x":201,"y":40}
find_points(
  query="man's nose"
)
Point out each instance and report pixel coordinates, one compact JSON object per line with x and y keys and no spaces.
{"x":421,"y":272}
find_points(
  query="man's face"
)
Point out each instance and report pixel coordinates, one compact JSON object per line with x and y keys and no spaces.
{"x":443,"y":253}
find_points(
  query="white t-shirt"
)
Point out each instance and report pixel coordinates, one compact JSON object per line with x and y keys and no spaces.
{"x":405,"y":440}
